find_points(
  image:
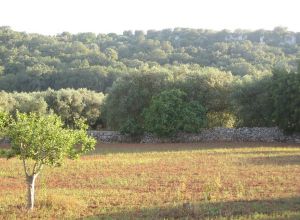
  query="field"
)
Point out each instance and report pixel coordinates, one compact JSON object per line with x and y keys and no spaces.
{"x":166,"y":181}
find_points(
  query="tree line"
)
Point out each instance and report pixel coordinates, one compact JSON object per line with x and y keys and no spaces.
{"x":203,"y":99}
{"x":166,"y":103}
{"x":69,"y":104}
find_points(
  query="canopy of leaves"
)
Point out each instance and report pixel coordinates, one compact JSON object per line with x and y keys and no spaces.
{"x":269,"y":100}
{"x":252,"y":101}
{"x":69,"y":104}
{"x":45,"y":140}
{"x":170,"y":112}
{"x":209,"y":86}
{"x":286,"y":98}
{"x":31,"y":62}
{"x":128,"y":98}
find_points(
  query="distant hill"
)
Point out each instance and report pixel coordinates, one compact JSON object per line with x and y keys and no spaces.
{"x":31,"y":62}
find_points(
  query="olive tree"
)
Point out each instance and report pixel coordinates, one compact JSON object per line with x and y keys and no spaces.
{"x":127,"y":99}
{"x":285,"y":90}
{"x":40,"y":140}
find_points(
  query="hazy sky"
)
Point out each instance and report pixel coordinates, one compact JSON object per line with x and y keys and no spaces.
{"x":103,"y":16}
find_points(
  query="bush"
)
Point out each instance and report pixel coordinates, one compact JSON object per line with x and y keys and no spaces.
{"x":170,"y":112}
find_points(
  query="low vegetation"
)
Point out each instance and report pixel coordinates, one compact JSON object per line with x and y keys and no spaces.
{"x":166,"y":181}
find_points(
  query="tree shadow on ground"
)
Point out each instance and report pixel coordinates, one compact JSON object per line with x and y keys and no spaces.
{"x":283,"y":208}
{"x":275,"y":160}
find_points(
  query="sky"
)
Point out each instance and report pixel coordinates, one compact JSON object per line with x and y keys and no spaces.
{"x":51,"y":17}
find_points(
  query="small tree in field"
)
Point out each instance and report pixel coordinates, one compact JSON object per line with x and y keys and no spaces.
{"x":40,"y":140}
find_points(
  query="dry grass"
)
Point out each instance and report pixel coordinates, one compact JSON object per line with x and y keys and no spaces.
{"x":166,"y":181}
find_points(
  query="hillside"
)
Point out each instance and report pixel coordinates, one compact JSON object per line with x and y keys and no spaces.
{"x":31,"y":62}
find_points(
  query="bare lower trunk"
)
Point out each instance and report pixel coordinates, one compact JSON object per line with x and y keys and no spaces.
{"x":30,"y":183}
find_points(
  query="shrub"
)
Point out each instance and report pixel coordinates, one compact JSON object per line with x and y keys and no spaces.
{"x":170,"y":112}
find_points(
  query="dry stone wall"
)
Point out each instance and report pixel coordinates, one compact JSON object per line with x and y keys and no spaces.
{"x":272,"y":134}
{"x":111,"y":137}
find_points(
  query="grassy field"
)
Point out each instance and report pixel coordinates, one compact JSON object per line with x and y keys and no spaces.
{"x":167,"y":181}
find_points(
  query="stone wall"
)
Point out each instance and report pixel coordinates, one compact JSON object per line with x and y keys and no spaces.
{"x":112,"y":136}
{"x":273,"y":134}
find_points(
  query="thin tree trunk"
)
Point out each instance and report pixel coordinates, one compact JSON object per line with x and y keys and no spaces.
{"x":30,"y":183}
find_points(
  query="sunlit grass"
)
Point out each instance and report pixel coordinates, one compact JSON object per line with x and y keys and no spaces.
{"x":197,"y":181}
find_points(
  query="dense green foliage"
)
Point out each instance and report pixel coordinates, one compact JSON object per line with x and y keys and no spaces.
{"x":270,"y":100}
{"x":171,"y":112}
{"x":252,"y":101}
{"x":45,"y":140}
{"x":132,"y":94}
{"x":212,"y":88}
{"x":286,"y":98}
{"x":30,"y":62}
{"x":241,"y":78}
{"x":68,"y":103}
{"x":128,"y":98}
